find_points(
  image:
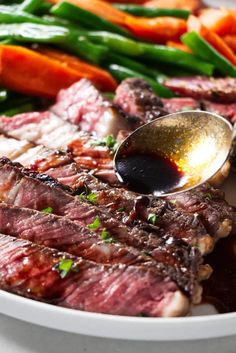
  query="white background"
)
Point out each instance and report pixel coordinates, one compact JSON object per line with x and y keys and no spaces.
{"x":20,"y":337}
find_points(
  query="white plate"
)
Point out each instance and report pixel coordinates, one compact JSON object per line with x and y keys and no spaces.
{"x":121,"y":327}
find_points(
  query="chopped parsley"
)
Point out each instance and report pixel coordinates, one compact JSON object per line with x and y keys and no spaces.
{"x":92,"y":197}
{"x":47,"y":210}
{"x":96,"y":224}
{"x":106,"y":236}
{"x":173,"y":202}
{"x":152,"y":218}
{"x":65,"y":266}
{"x":108,"y":141}
{"x":121,"y":209}
{"x":82,"y":196}
{"x":208,"y":196}
{"x":88,"y":195}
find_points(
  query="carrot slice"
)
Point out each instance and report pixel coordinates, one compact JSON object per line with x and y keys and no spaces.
{"x":158,"y":29}
{"x":194,"y":24}
{"x":230,"y":40}
{"x":178,"y":45}
{"x":191,"y":5}
{"x":100,"y":8}
{"x":219,"y":21}
{"x":101,"y":78}
{"x":26,"y":71}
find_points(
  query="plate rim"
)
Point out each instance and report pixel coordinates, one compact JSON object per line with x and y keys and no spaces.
{"x":117,"y":327}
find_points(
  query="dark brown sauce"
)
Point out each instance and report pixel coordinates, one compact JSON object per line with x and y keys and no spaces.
{"x":148,"y":173}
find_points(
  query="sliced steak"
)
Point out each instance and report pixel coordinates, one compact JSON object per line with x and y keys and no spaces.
{"x":137,"y":99}
{"x":172,"y":258}
{"x":34,"y":272}
{"x":54,"y":133}
{"x":60,"y":233}
{"x":26,"y":189}
{"x":228,"y":111}
{"x":13,"y":148}
{"x":83,"y":105}
{"x":209,"y":204}
{"x":200,"y":87}
{"x":173,"y":105}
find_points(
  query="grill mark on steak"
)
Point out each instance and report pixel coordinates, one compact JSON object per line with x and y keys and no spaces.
{"x":83,"y":105}
{"x":200,"y":87}
{"x":29,"y":270}
{"x":172,"y":258}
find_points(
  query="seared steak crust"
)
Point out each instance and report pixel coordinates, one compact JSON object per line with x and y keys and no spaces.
{"x":136,"y":98}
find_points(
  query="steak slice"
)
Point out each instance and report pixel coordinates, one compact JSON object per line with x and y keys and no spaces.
{"x":173,"y":105}
{"x":136,"y":98}
{"x":209,"y":204}
{"x":228,"y":111}
{"x":62,"y":234}
{"x":34,"y":272}
{"x":174,"y":259}
{"x":26,"y":189}
{"x":83,"y":105}
{"x":54,"y":133}
{"x":200,"y":87}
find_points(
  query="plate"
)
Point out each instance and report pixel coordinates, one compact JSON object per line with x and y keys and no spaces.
{"x":206,"y":324}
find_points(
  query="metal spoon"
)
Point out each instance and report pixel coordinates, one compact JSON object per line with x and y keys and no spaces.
{"x":174,"y":153}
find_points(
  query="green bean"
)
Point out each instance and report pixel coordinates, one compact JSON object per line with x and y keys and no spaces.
{"x":164,"y":54}
{"x":138,"y":10}
{"x":115,"y":42}
{"x":30,"y":6}
{"x":204,"y":50}
{"x":121,"y":73}
{"x":86,"y":18}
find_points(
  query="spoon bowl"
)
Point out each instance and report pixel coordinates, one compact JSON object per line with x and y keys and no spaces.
{"x":174,"y":153}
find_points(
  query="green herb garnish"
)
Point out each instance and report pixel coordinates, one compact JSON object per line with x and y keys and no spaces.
{"x":92,"y":197}
{"x":208,"y":196}
{"x":173,"y":201}
{"x":47,"y":210}
{"x":65,"y":266}
{"x":82,"y":195}
{"x":106,"y":236}
{"x":121,"y":209}
{"x":152,"y":218}
{"x":96,"y":224}
{"x":108,"y":141}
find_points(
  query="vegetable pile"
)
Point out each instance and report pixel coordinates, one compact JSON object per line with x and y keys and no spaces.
{"x":48,"y":45}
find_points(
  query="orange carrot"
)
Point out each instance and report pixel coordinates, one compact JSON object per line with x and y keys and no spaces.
{"x":194,"y":24}
{"x":26,"y":71}
{"x":101,"y":78}
{"x":219,"y":21}
{"x":158,"y":29}
{"x":100,"y":8}
{"x":178,"y":45}
{"x":191,"y":5}
{"x":230,"y":40}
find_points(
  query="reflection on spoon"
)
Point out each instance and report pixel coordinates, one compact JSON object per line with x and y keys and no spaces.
{"x":174,"y":153}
